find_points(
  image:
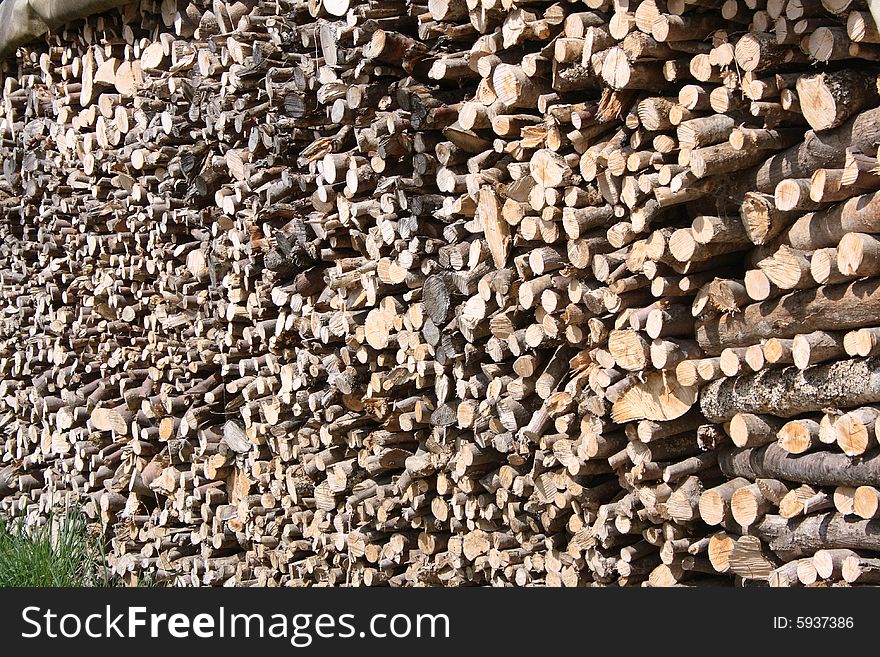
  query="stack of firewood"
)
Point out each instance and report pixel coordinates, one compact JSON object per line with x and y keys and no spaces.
{"x":497,"y":292}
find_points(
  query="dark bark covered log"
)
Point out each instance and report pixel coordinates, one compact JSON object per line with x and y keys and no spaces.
{"x":819,"y":468}
{"x":794,"y":539}
{"x":827,"y":308}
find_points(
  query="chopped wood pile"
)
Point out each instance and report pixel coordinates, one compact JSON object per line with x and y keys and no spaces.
{"x":494,"y":292}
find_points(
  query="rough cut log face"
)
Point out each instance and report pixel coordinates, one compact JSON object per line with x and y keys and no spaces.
{"x":336,"y":292}
{"x":660,"y":397}
{"x":828,"y":99}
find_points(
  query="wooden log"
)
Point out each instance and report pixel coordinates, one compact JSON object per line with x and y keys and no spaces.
{"x":829,"y":99}
{"x":773,"y":462}
{"x":857,"y":569}
{"x":798,"y":436}
{"x":819,"y":531}
{"x":809,"y":349}
{"x":832,"y":307}
{"x":803,"y":501}
{"x":335,"y":293}
{"x":857,"y":254}
{"x":854,"y":431}
{"x":789,"y":391}
{"x":715,"y":503}
{"x":866,"y":502}
{"x":750,"y":430}
{"x":829,"y":563}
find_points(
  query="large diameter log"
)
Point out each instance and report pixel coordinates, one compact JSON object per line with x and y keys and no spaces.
{"x":827,"y":308}
{"x":629,"y":348}
{"x":794,"y":539}
{"x":857,"y":255}
{"x":7,"y":481}
{"x":824,"y":149}
{"x":336,"y":7}
{"x":861,"y":570}
{"x":751,"y":430}
{"x":550,"y":169}
{"x":761,"y":219}
{"x":749,"y":559}
{"x":753,"y":502}
{"x":866,"y":502}
{"x":799,"y":435}
{"x":829,"y":99}
{"x":818,"y":468}
{"x":720,"y":547}
{"x":855,"y":431}
{"x":789,"y":391}
{"x":447,"y":10}
{"x":828,"y":43}
{"x":659,"y":396}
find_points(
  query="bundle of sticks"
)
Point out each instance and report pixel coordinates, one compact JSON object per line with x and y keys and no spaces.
{"x":471,"y":292}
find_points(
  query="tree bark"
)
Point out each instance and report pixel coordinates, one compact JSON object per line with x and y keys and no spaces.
{"x":827,"y":308}
{"x":818,"y":468}
{"x":790,"y":391}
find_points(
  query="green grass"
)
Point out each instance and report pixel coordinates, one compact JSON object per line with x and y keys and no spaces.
{"x":60,"y":552}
